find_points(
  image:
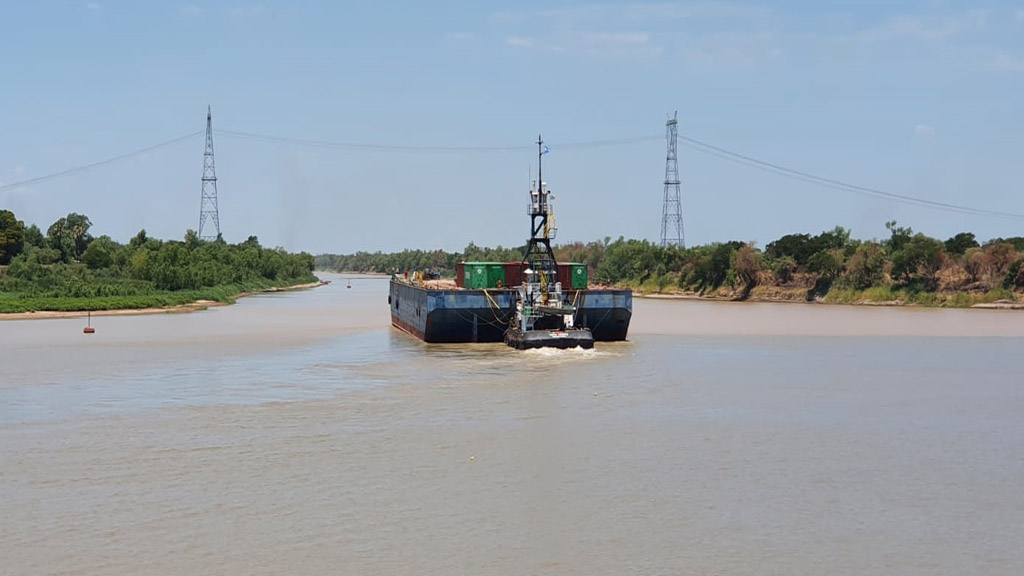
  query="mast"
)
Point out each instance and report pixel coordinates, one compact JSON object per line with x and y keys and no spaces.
{"x":539,"y":254}
{"x":540,"y":161}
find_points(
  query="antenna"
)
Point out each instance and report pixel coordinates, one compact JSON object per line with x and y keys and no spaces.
{"x":540,"y":156}
{"x":539,"y":254}
{"x":672,"y":209}
{"x":208,"y":205}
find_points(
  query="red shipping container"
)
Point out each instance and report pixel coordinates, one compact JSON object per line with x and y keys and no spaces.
{"x":565,"y":275}
{"x":460,"y":275}
{"x":513,"y":274}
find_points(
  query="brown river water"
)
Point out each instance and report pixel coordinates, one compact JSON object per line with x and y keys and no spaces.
{"x":298,"y":433}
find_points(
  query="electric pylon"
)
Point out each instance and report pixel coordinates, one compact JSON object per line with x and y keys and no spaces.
{"x":672,"y":211}
{"x":208,"y":205}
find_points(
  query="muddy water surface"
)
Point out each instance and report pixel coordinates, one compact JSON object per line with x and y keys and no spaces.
{"x":298,"y":433}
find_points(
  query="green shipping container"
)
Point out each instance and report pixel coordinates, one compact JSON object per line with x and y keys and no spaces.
{"x":480,"y":275}
{"x":579,"y":276}
{"x":476,"y":275}
{"x":495,"y":275}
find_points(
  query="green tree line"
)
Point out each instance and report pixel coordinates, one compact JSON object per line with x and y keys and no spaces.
{"x":906,"y":265}
{"x":427,"y":260}
{"x":69,"y":269}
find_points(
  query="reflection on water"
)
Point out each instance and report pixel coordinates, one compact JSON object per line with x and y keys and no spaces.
{"x":299,"y":433}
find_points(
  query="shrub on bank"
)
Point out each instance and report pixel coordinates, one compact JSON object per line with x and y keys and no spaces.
{"x":906,"y":267}
{"x":146,"y":272}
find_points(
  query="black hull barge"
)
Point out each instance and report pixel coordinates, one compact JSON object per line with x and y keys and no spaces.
{"x":454,"y":315}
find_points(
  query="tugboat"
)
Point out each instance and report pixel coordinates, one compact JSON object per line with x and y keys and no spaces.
{"x":543,"y":318}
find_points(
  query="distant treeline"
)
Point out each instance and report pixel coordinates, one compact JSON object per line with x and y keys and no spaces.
{"x":906,"y":265}
{"x":69,"y":269}
{"x":435,"y":260}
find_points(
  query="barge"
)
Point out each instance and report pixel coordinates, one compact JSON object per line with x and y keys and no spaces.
{"x":435,"y":312}
{"x":535,"y":303}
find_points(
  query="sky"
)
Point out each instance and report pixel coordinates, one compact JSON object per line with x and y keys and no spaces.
{"x":439,"y":104}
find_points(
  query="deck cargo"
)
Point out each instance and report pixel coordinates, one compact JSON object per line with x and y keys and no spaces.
{"x":481,"y":275}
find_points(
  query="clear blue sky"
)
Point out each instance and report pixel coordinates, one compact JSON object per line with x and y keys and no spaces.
{"x":916,"y":98}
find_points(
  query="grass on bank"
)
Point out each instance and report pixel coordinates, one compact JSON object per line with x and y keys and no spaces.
{"x":224,"y":293}
{"x":885,"y":294}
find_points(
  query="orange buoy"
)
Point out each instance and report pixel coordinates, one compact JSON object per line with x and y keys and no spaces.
{"x":88,"y":327}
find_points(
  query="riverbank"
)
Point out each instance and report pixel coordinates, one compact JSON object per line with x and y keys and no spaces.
{"x":999,"y":298}
{"x":194,"y":306}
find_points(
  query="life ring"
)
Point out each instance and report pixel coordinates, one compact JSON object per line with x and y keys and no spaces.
{"x":500,"y":283}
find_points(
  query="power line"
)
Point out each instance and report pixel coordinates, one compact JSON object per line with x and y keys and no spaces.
{"x":111,"y":160}
{"x":427,"y":148}
{"x":363,"y":145}
{"x":615,"y":142}
{"x":687,"y":141}
{"x":725,"y":154}
{"x":322,"y":144}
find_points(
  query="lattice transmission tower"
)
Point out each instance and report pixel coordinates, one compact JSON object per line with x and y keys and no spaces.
{"x":208,"y":213}
{"x":672,"y":211}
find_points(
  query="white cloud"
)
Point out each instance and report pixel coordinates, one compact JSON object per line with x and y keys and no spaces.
{"x":730,"y":51}
{"x":520,"y":41}
{"x":924,"y":130}
{"x":715,"y":10}
{"x":191,"y":11}
{"x":590,"y":14}
{"x":93,"y":6}
{"x":724,"y":35}
{"x":940,"y":43}
{"x":610,"y":44}
{"x":928,"y":27}
{"x":1003,"y":62}
{"x":597,"y":29}
{"x":615,"y":38}
{"x":1020,"y":16}
{"x":607,"y":44}
{"x":249,"y":10}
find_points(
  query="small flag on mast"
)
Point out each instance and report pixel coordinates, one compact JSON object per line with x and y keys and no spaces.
{"x":546,"y":150}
